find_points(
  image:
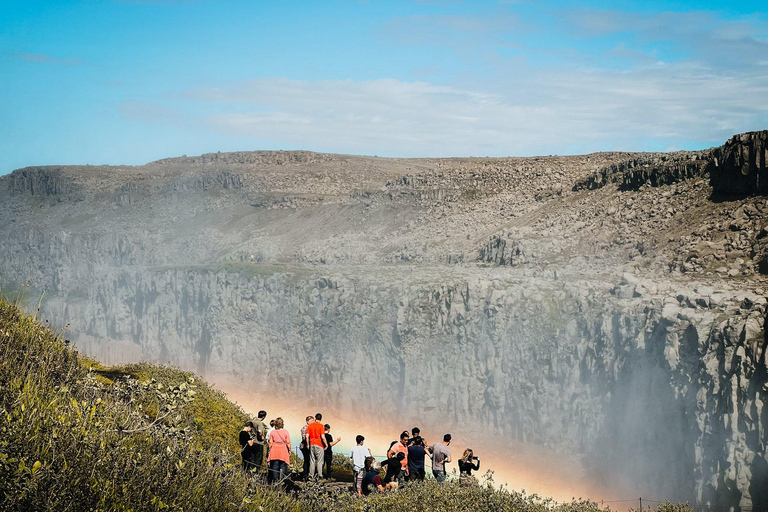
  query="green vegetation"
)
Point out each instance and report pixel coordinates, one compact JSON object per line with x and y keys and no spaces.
{"x":76,"y":435}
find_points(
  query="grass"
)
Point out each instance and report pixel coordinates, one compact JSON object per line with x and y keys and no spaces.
{"x":77,"y":435}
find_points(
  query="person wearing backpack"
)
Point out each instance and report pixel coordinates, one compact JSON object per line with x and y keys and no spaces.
{"x":260,"y":435}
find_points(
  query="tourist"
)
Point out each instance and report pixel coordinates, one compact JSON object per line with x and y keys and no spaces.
{"x":329,"y":450}
{"x":246,"y":446}
{"x":372,"y":478}
{"x":466,"y":466}
{"x":416,"y":454}
{"x":279,"y":441}
{"x":441,"y":455}
{"x":270,"y":428}
{"x":401,"y":447}
{"x":358,"y":455}
{"x":304,"y":447}
{"x":394,"y":466}
{"x":260,"y":434}
{"x":317,"y":444}
{"x":415,"y":432}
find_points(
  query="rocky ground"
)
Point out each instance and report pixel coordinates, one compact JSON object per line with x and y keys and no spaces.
{"x":612,"y":300}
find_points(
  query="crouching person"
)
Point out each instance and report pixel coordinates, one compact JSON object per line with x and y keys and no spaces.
{"x":372,"y":478}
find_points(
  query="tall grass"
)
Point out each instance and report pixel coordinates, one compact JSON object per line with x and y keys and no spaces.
{"x":78,"y":436}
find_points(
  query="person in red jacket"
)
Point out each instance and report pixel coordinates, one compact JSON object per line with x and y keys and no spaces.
{"x":317,"y":444}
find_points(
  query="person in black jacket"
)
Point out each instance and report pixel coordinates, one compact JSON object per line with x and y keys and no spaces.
{"x":394,"y":465}
{"x":247,"y":448}
{"x":466,"y":464}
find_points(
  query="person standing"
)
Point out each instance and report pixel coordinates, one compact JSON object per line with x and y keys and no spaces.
{"x":317,"y":445}
{"x":416,"y":432}
{"x":416,"y":454}
{"x":304,"y":447}
{"x":246,"y":446}
{"x":270,"y":428}
{"x":260,"y":434}
{"x":329,"y":450}
{"x":401,"y":447}
{"x":441,"y":455}
{"x":466,"y":464}
{"x":279,"y":452}
{"x":358,"y":455}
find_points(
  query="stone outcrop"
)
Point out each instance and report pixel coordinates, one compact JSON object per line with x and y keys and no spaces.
{"x":739,"y":166}
{"x":654,"y":169}
{"x":40,"y":181}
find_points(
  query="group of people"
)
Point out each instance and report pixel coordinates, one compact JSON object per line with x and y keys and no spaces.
{"x":405,"y":459}
{"x":316,"y":447}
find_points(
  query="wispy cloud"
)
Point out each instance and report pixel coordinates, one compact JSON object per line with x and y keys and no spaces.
{"x":699,"y":36}
{"x":584,"y":110}
{"x":550,"y":99}
{"x":42,"y":58}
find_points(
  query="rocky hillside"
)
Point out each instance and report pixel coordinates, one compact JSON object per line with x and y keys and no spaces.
{"x":609,"y":305}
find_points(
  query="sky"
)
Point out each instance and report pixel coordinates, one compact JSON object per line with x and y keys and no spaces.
{"x":128,"y":82}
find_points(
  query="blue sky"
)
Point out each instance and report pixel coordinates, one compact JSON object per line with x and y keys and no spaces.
{"x":127,"y":82}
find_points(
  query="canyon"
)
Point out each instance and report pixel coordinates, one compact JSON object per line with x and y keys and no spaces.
{"x":610,"y":306}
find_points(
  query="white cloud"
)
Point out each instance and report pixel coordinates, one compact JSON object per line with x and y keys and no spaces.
{"x":721,"y":88}
{"x":538,"y":112}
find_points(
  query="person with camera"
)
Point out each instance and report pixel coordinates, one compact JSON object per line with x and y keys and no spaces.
{"x":466,"y":464}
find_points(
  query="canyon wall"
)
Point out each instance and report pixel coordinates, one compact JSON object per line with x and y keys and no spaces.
{"x":492,"y":296}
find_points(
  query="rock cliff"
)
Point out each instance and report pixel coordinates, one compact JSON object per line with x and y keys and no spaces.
{"x":607,"y":305}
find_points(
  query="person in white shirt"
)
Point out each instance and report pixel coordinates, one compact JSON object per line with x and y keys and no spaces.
{"x":358,"y":455}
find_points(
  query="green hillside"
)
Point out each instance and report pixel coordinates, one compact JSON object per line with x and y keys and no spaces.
{"x":75,"y":435}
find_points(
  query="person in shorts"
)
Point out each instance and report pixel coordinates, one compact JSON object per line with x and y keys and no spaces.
{"x":358,"y":454}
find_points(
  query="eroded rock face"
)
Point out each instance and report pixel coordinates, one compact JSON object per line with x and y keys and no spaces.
{"x":481,"y":294}
{"x":740,"y":165}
